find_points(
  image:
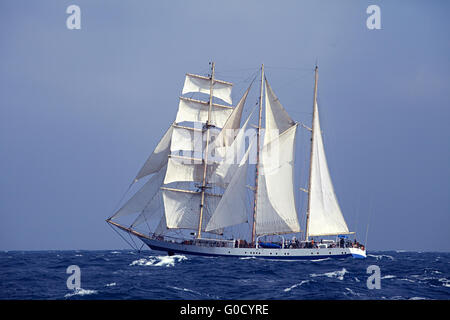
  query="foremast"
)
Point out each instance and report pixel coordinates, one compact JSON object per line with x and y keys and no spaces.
{"x":205,"y":158}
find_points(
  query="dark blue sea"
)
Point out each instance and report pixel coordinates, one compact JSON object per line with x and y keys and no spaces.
{"x":126,"y":274}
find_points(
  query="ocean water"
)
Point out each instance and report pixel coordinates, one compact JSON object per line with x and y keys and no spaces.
{"x":134,"y":275}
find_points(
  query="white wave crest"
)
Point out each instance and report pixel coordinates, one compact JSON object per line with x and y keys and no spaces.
{"x":112,"y":284}
{"x":185,"y":289}
{"x":351,"y":292}
{"x":158,"y":261}
{"x":378,"y":257}
{"x":80,"y":292}
{"x":190,"y":291}
{"x":445,"y":282}
{"x":334,"y":274}
{"x":436,"y":271}
{"x":296,"y":285}
{"x":318,"y":260}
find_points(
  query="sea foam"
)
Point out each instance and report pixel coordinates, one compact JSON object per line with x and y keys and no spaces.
{"x":80,"y":292}
{"x":158,"y":261}
{"x":334,"y":274}
{"x":296,"y":285}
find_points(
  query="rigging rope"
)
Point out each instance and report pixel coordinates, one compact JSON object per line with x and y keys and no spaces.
{"x":121,"y":199}
{"x":121,"y":236}
{"x":129,"y":234}
{"x":368,"y":221}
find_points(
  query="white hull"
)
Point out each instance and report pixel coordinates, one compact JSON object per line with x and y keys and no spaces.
{"x":298,"y":253}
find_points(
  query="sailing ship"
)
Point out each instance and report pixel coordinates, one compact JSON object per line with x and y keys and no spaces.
{"x":203,"y":198}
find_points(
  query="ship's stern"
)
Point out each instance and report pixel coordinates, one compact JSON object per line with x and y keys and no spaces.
{"x":358,"y":253}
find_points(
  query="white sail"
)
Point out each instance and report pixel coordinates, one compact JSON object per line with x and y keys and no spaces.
{"x":232,"y":155}
{"x":152,"y":213}
{"x":231,"y":127}
{"x":187,"y":169}
{"x":232,"y":208}
{"x":193,"y":110}
{"x":182,"y":208}
{"x":162,"y":226}
{"x":158,"y":158}
{"x":183,"y":169}
{"x":196,"y":83}
{"x":277,"y":119}
{"x":325,"y":216}
{"x":143,"y":196}
{"x":187,"y":139}
{"x":276,"y":212}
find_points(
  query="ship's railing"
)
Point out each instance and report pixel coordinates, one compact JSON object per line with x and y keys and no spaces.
{"x":214,"y":242}
{"x":166,"y":238}
{"x":205,"y":242}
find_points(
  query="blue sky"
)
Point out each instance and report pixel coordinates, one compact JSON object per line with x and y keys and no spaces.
{"x":80,"y":110}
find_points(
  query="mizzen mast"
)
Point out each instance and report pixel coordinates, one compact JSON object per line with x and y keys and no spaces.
{"x":316,"y":78}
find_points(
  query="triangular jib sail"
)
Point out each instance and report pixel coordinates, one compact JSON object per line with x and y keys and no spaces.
{"x":232,"y":208}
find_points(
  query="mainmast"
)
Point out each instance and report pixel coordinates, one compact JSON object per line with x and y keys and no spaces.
{"x":316,"y":78}
{"x":205,"y":158}
{"x":257,"y":155}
